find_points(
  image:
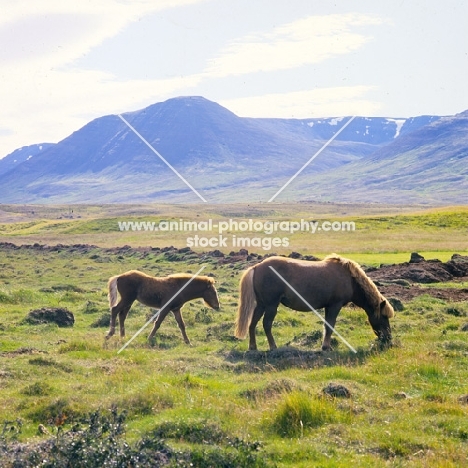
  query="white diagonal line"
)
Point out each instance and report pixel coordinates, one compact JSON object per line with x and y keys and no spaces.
{"x":156,"y":315}
{"x":311,"y":159}
{"x":313,"y":310}
{"x":168,"y":164}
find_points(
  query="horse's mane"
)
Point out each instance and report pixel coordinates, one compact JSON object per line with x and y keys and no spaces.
{"x":367,"y":285}
{"x":206,"y":279}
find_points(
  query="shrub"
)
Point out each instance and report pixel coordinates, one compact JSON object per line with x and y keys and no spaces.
{"x":96,"y":440}
{"x":37,"y":389}
{"x":102,"y":321}
{"x":272,"y":389}
{"x":145,"y":403}
{"x":455,"y":311}
{"x":78,"y":346}
{"x":55,"y":412}
{"x":298,"y":412}
{"x":193,"y":431}
{"x":90,"y":307}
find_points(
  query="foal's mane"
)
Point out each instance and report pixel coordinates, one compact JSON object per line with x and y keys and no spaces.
{"x":367,"y":285}
{"x":205,"y":279}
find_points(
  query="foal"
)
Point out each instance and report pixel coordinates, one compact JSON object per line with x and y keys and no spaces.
{"x":163,"y":292}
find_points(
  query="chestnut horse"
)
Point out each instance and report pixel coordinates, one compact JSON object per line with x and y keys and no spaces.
{"x":328,"y":284}
{"x":156,"y":292}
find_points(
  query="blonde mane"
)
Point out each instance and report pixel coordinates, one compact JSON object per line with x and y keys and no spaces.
{"x":206,"y":279}
{"x":367,"y":285}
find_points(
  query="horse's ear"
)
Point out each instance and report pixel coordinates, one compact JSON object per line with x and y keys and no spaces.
{"x":386,"y":309}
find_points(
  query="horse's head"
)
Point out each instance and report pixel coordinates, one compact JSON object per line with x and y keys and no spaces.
{"x":379,"y":320}
{"x":210,"y":296}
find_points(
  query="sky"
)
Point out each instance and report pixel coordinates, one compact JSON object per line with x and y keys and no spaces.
{"x":63,"y":64}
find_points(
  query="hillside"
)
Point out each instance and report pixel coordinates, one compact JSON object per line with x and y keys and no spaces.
{"x":21,"y":155}
{"x":429,"y":165}
{"x":232,"y":159}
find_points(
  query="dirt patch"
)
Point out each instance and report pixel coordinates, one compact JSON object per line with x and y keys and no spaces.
{"x":22,"y":351}
{"x":403,"y":281}
{"x":336,"y":390}
{"x":62,"y":317}
{"x":422,"y":271}
{"x":406,"y":294}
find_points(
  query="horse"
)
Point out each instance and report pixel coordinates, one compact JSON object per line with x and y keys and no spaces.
{"x":330,"y":284}
{"x":157,"y":292}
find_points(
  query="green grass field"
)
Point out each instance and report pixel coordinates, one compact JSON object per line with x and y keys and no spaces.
{"x":214,"y":403}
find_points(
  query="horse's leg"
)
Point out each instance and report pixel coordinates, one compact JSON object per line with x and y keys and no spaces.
{"x":257,"y":315}
{"x":180,"y":321}
{"x":270,"y":314}
{"x":122,"y":316}
{"x":114,"y":312}
{"x":157,"y":323}
{"x":331,"y":313}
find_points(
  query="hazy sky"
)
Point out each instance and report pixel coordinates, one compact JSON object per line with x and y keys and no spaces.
{"x":64,"y":63}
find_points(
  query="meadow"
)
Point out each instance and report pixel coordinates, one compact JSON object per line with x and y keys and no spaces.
{"x":215,"y":403}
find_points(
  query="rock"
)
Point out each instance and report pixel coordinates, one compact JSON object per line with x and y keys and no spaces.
{"x":295,"y":255}
{"x":463,"y":400}
{"x":61,"y":316}
{"x":396,"y":304}
{"x":336,"y":390}
{"x":41,"y":429}
{"x":456,"y":312}
{"x":459,"y":258}
{"x":428,"y":274}
{"x":464,"y":327}
{"x":216,"y":253}
{"x":416,"y":258}
{"x":401,"y":395}
{"x":458,"y":265}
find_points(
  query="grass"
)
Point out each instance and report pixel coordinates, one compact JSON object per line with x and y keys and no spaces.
{"x":377,"y":235}
{"x":214,"y":402}
{"x":298,"y":414}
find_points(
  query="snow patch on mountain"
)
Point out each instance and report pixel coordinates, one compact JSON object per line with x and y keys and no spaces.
{"x":398,"y":124}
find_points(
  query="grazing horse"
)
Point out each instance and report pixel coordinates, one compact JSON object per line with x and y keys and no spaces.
{"x":156,"y":292}
{"x":328,"y":284}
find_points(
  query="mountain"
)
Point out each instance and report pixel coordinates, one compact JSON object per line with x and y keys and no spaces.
{"x":224,"y":157}
{"x":21,"y":155}
{"x":371,"y":130}
{"x":428,"y":165}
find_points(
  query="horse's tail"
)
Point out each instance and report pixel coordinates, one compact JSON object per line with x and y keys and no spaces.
{"x":247,"y":303}
{"x":112,"y":295}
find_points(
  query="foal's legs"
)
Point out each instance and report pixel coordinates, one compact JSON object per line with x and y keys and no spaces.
{"x":180,"y":321}
{"x":331,"y":312}
{"x":121,"y":309}
{"x":162,"y":315}
{"x":122,"y":316}
{"x":270,"y":314}
{"x":257,"y":315}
